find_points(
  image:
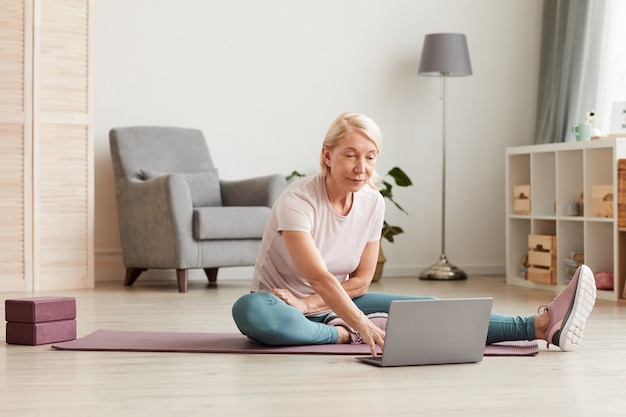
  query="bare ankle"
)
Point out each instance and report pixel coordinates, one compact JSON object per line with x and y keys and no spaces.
{"x":343,"y":335}
{"x":541,"y":325}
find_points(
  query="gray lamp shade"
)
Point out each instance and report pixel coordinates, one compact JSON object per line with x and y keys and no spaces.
{"x":445,"y":54}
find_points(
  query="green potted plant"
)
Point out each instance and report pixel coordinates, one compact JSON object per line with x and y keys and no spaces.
{"x":401,"y":180}
{"x":389,"y":231}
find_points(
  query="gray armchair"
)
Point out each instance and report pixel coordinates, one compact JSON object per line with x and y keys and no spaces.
{"x":175,"y":213}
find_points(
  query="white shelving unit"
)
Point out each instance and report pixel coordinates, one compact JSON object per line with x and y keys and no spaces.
{"x":558,"y":174}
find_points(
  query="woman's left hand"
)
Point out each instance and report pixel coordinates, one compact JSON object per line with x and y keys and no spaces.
{"x":290,"y":299}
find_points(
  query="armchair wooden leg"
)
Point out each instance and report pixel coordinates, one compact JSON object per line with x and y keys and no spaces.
{"x":181,"y":276}
{"x":131,"y":275}
{"x":211,"y":274}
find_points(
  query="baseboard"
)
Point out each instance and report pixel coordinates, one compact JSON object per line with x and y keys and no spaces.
{"x":413,"y":271}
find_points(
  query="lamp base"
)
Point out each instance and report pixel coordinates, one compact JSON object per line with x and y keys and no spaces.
{"x":443,"y":271}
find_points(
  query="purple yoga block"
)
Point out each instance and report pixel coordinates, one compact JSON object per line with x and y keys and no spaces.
{"x":39,"y":309}
{"x":41,"y":333}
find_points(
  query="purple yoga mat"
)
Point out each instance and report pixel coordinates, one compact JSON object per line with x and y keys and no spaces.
{"x":130,"y":341}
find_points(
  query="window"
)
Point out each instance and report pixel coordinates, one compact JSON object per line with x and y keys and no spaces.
{"x":612,"y":83}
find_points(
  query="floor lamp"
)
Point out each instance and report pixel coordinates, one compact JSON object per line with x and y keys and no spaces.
{"x":444,"y":55}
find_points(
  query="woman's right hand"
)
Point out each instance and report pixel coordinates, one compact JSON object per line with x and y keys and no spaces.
{"x":371,"y":335}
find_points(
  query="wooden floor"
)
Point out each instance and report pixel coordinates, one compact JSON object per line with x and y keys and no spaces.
{"x":37,"y":380}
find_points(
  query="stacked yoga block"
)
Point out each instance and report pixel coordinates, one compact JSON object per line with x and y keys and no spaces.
{"x":40,"y":320}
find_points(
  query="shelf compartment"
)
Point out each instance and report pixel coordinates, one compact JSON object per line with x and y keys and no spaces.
{"x":601,"y":169}
{"x":542,"y":183}
{"x":518,"y":174}
{"x":542,"y":259}
{"x":571,"y":236}
{"x":599,"y":246}
{"x":570,"y":182}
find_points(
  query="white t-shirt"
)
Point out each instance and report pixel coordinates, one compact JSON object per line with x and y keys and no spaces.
{"x":304,"y":207}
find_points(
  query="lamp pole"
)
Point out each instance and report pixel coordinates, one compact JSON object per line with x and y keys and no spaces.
{"x":444,"y":79}
{"x":443,"y":269}
{"x":444,"y":55}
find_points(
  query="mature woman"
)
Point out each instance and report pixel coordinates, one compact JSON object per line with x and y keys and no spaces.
{"x":319,"y":252}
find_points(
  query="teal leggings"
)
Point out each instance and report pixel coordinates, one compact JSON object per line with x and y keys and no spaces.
{"x":267,"y":319}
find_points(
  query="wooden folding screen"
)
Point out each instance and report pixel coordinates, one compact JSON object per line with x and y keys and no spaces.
{"x":46,"y":140}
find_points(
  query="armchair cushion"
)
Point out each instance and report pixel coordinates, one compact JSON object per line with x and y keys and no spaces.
{"x":210,"y":223}
{"x":203,"y":186}
{"x":259,"y":191}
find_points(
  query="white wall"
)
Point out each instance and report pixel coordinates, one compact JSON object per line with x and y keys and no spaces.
{"x":264,"y":78}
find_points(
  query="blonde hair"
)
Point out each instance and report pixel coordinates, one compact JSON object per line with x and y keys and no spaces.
{"x":341,"y":128}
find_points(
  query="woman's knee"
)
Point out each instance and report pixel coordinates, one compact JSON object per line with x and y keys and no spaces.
{"x":248,"y":308}
{"x":255,"y":313}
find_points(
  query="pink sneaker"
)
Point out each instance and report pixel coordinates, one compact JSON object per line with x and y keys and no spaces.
{"x":570,"y":309}
{"x":379,"y":320}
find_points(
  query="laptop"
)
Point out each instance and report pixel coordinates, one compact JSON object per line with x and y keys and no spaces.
{"x":433,"y":332}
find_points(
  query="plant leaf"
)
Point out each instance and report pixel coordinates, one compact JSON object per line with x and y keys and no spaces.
{"x":386,"y":190}
{"x":390,"y":231}
{"x":294,"y":174}
{"x":400,"y":177}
